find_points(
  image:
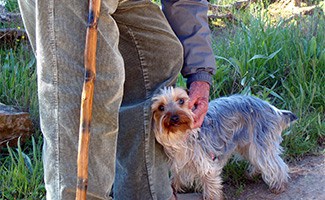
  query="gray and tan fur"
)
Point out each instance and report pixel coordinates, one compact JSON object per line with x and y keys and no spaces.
{"x":236,"y":124}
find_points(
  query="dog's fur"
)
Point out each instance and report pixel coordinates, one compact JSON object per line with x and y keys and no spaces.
{"x":242,"y":124}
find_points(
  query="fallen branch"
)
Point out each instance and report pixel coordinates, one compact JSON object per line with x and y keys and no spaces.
{"x":224,"y":11}
{"x":236,"y":5}
{"x":11,"y":35}
{"x":12,"y":32}
{"x":228,"y":16}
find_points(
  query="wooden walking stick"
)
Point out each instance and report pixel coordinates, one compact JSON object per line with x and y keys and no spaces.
{"x":87,"y":98}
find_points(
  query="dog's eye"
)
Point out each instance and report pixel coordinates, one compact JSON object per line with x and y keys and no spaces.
{"x":161,"y":108}
{"x":181,"y":101}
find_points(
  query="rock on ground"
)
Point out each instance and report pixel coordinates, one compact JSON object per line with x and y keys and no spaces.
{"x":13,"y":124}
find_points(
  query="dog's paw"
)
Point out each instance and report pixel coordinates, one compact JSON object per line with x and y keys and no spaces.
{"x":280,"y":189}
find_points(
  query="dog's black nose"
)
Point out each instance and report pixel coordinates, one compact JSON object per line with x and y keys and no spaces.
{"x":174,"y":119}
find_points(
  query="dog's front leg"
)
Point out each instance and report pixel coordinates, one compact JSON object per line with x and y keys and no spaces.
{"x":212,"y":185}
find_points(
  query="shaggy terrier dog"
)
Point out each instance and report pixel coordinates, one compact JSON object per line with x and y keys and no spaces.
{"x":239,"y":124}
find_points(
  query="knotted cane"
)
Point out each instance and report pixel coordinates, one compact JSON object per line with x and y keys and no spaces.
{"x":87,"y":98}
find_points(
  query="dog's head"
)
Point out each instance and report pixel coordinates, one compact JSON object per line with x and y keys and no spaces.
{"x":171,"y":113}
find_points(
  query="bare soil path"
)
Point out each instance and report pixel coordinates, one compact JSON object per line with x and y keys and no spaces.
{"x":307,"y":183}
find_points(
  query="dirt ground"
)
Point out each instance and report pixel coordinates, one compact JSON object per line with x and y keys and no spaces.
{"x":307,"y":183}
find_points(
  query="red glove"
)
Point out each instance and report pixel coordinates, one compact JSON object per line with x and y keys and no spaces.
{"x":199,"y":101}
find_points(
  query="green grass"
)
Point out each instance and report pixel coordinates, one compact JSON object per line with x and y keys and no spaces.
{"x":282,"y":63}
{"x":22,"y":173}
{"x":277,"y":60}
{"x":18,"y":79}
{"x":21,"y":169}
{"x":11,"y":5}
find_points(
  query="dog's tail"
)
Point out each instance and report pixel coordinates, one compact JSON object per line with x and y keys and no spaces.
{"x":288,"y":117}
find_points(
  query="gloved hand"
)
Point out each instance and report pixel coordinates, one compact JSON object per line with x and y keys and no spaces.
{"x":199,"y":101}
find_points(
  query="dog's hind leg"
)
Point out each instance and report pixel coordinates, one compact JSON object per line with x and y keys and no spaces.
{"x":274,"y":170}
{"x":275,"y":174}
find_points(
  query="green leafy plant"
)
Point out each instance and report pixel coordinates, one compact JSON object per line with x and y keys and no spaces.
{"x":21,"y":174}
